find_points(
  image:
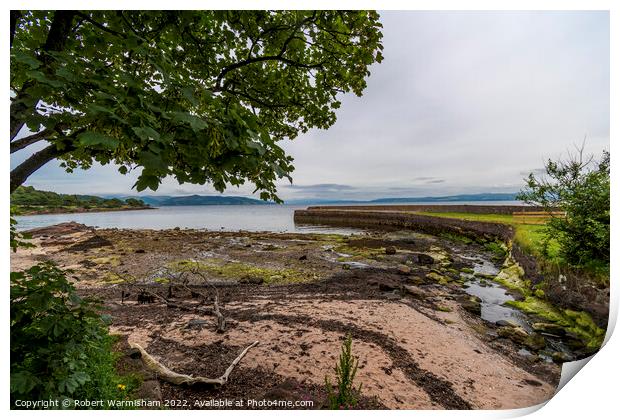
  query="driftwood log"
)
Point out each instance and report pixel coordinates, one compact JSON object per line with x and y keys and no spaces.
{"x":181,"y":379}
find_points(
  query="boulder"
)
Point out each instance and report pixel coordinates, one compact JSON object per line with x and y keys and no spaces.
{"x":535,"y":342}
{"x":471,"y":304}
{"x":516,"y":334}
{"x":561,"y":357}
{"x":404,"y":269}
{"x":437,"y":278}
{"x":384,"y":285}
{"x":415,"y":291}
{"x":423,"y":259}
{"x":415,"y":280}
{"x":247,"y":279}
{"x":548,"y":328}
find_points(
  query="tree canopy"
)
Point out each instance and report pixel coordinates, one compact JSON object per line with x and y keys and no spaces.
{"x":580,"y":186}
{"x":203,"y":96}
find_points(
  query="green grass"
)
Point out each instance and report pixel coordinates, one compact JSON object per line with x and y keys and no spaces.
{"x":499,"y":218}
{"x":529,"y":235}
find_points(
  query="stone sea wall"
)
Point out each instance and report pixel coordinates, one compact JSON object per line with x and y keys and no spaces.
{"x":398,"y":219}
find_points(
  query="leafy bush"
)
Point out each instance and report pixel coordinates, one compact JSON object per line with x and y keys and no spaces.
{"x":581,"y":188}
{"x":60,"y":346}
{"x":345,"y":395}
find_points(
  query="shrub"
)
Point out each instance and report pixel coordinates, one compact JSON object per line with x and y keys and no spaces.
{"x":345,"y":395}
{"x":581,"y":188}
{"x":60,"y":345}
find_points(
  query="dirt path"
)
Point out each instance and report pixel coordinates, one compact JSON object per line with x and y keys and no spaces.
{"x":416,"y":351}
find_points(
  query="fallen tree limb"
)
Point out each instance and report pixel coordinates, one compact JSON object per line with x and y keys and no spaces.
{"x":181,"y":379}
{"x":221,"y":321}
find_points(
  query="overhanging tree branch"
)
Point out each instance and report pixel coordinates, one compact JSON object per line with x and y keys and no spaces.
{"x":33,"y":163}
{"x":27,"y":141}
{"x":293,"y":63}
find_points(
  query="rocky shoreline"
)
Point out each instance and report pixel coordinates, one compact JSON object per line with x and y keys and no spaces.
{"x":27,"y":212}
{"x":410,"y":301}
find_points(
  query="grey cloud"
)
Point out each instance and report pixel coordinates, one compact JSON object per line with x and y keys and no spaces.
{"x":320,"y":187}
{"x":464,"y":102}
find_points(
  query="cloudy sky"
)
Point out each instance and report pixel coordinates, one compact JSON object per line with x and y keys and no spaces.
{"x":464,"y":102}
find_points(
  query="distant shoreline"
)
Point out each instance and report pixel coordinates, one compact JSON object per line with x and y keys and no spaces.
{"x":39,"y":212}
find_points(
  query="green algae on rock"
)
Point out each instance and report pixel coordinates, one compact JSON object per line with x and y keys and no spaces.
{"x":578,"y":324}
{"x":234,"y":270}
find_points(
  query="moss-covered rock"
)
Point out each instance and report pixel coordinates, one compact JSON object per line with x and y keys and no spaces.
{"x":437,"y":278}
{"x":111,"y":260}
{"x":239,"y":271}
{"x":511,"y":277}
{"x":577,"y":324}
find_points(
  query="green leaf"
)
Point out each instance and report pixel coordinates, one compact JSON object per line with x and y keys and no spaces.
{"x":27,"y":59}
{"x":146,"y":133}
{"x":92,"y":138}
{"x":196,"y":123}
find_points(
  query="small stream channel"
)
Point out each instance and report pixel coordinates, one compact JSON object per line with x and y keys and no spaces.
{"x":493,"y":297}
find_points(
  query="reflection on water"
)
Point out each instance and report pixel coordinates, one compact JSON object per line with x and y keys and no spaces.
{"x":273,"y":218}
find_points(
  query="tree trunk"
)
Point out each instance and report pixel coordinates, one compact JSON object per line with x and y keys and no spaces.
{"x":56,"y":40}
{"x":30,"y":165}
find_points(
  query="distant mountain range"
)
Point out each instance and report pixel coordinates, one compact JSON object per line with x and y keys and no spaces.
{"x":219,"y":200}
{"x":197,"y":200}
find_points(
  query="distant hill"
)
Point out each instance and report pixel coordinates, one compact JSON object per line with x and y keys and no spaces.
{"x":454,"y":198}
{"x":195,"y":200}
{"x":448,"y":198}
{"x":220,"y":200}
{"x":28,"y":200}
{"x":210,"y":200}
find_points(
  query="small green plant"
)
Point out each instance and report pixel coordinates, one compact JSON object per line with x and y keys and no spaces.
{"x":345,"y":395}
{"x":60,"y":345}
{"x":18,"y":239}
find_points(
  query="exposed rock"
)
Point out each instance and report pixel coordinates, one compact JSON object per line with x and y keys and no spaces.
{"x":415,"y":280}
{"x":90,"y":243}
{"x":393,"y":295}
{"x":60,"y":229}
{"x":506,"y":323}
{"x":548,"y":328}
{"x":384,"y":284}
{"x":535,"y":342}
{"x":415,"y":291}
{"x":561,"y":357}
{"x":251,"y":280}
{"x":423,"y":259}
{"x":390,"y":250}
{"x":471,"y":304}
{"x":404,"y":269}
{"x":438,"y":278}
{"x":516,"y":334}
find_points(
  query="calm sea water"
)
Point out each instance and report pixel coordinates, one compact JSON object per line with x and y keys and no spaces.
{"x":273,"y":218}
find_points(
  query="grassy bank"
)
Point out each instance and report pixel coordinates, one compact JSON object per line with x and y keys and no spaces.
{"x":529,"y":231}
{"x":530,"y":236}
